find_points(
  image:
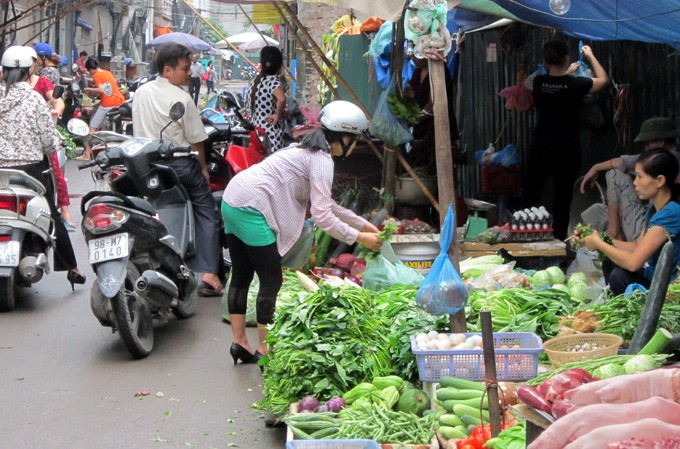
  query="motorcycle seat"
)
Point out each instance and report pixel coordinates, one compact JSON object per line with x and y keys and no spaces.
{"x":111,"y":137}
{"x":139,"y":203}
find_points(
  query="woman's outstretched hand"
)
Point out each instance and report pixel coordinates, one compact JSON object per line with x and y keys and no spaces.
{"x":370,"y":240}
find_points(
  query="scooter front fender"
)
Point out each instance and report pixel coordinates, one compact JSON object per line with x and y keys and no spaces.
{"x":111,"y":275}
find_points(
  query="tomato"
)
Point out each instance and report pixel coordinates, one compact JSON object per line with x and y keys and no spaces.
{"x":468,"y":446}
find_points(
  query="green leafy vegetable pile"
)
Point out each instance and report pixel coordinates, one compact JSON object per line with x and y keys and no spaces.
{"x":514,"y":437}
{"x":521,"y":310}
{"x":398,"y":305}
{"x":620,"y":315}
{"x":322,"y":345}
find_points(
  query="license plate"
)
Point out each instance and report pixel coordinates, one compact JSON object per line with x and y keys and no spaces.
{"x":9,"y":254}
{"x":108,"y":248}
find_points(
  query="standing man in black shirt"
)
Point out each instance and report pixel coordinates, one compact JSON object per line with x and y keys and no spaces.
{"x":556,"y":147}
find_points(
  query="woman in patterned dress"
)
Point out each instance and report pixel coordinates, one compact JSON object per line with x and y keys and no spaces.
{"x":267,"y":99}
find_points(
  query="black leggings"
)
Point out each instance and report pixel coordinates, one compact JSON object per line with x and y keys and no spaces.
{"x":247,"y":260}
{"x":64,"y":257}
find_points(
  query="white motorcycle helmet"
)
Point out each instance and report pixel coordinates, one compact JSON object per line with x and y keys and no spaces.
{"x":344,"y":117}
{"x":18,"y":56}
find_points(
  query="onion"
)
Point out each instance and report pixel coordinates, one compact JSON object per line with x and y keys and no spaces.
{"x":335,"y":404}
{"x":321,"y":409}
{"x":308,"y":403}
{"x":339,"y":272}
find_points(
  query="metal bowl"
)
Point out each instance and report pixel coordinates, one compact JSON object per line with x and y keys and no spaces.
{"x":479,"y":205}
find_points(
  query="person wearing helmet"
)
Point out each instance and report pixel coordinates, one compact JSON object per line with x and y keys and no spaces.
{"x":27,"y":135}
{"x":264,"y":209}
{"x":48,"y":61}
{"x":625,"y":214}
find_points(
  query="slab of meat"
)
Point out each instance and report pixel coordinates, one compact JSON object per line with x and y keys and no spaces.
{"x":584,"y":420}
{"x":645,"y":443}
{"x":602,"y":436}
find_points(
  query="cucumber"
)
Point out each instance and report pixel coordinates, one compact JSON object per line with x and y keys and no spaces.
{"x":450,"y":420}
{"x":461,"y":384}
{"x":461,"y":409}
{"x":469,"y":420}
{"x":324,"y":433}
{"x":452,"y":432}
{"x":473,"y":403}
{"x":444,"y":394}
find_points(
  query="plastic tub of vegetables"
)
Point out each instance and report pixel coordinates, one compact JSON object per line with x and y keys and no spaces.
{"x":579,"y":347}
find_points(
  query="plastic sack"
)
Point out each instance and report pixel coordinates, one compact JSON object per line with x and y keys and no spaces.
{"x":298,"y":255}
{"x":386,"y":269}
{"x":499,"y":277}
{"x":585,"y":262}
{"x":583,"y":67}
{"x":385,"y":126}
{"x":518,"y":97}
{"x":443,"y":291}
{"x":507,"y":157}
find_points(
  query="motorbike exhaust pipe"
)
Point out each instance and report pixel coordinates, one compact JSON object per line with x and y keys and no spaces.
{"x":32,"y":268}
{"x":157,"y":288}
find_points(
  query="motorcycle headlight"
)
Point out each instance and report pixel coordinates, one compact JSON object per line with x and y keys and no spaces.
{"x":133,"y":146}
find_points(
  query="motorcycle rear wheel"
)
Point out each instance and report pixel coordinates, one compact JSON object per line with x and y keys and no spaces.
{"x":187,"y":307}
{"x":133,"y":316}
{"x":7,"y":286}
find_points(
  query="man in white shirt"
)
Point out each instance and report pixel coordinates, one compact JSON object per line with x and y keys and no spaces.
{"x":195,"y":80}
{"x":150,"y":113}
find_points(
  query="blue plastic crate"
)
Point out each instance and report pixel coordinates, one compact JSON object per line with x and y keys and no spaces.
{"x":518,"y":364}
{"x":332,"y":444}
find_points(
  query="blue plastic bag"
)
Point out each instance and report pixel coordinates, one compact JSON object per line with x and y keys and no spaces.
{"x":507,"y":157}
{"x":443,"y":292}
{"x":583,"y":67}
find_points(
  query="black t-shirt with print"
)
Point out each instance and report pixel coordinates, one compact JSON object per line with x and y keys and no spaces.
{"x":558,"y":105}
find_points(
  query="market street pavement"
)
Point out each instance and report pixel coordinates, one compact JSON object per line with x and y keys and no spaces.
{"x":68,"y":383}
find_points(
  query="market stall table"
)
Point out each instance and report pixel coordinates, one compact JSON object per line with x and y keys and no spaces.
{"x":547,"y":248}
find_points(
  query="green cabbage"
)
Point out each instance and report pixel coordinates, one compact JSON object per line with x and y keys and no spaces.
{"x":639,"y":363}
{"x":609,"y":370}
{"x":577,"y":278}
{"x":541,"y":279}
{"x":561,"y":287}
{"x":578,"y":291}
{"x":556,"y":275}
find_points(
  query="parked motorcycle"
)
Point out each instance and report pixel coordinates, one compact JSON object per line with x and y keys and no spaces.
{"x":26,"y":233}
{"x":139,"y":237}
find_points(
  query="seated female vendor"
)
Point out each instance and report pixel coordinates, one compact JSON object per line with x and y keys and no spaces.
{"x":634,"y":262}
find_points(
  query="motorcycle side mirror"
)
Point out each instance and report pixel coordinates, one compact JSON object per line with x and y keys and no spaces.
{"x":228,"y":99}
{"x":177,"y":111}
{"x":78,"y":127}
{"x":58,"y":91}
{"x":75,"y":87}
{"x":106,"y":87}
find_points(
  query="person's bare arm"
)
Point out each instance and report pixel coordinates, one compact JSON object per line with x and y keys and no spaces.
{"x":590,"y":177}
{"x":199,"y":149}
{"x":280,"y":96}
{"x":600,"y":80}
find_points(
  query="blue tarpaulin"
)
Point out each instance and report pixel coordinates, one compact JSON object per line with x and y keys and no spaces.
{"x":647,"y":21}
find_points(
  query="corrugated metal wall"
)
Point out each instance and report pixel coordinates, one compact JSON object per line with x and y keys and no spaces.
{"x":651,"y":71}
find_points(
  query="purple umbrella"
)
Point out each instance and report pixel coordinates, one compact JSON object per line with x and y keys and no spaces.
{"x":192,"y":42}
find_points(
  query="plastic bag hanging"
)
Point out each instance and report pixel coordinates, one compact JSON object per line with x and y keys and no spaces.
{"x":443,"y":292}
{"x":583,"y":67}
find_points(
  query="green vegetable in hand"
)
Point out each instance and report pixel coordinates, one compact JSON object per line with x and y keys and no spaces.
{"x":584,"y":231}
{"x":385,"y":235}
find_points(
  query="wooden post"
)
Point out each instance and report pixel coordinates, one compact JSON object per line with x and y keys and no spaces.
{"x":442,"y":139}
{"x":490,"y":373}
{"x":355,"y":99}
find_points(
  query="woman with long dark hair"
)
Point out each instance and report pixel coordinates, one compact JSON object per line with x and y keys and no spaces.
{"x":635,"y":262}
{"x":27,"y":136}
{"x":267,"y":99}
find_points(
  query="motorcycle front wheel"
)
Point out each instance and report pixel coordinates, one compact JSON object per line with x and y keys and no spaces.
{"x":133,"y":316}
{"x":7,"y":285}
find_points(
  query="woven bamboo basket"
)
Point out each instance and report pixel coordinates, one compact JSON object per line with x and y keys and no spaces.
{"x":559,"y":349}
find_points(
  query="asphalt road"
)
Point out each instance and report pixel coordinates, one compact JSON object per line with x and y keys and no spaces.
{"x":68,"y":383}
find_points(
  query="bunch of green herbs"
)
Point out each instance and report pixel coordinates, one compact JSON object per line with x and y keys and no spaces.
{"x":323,"y":344}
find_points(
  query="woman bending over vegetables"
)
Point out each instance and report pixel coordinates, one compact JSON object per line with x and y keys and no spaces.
{"x":264,"y":211}
{"x":634,"y":262}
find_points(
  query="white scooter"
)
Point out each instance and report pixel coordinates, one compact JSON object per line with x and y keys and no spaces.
{"x":26,"y":233}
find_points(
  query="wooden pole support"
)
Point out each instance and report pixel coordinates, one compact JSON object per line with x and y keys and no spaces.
{"x":490,"y":370}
